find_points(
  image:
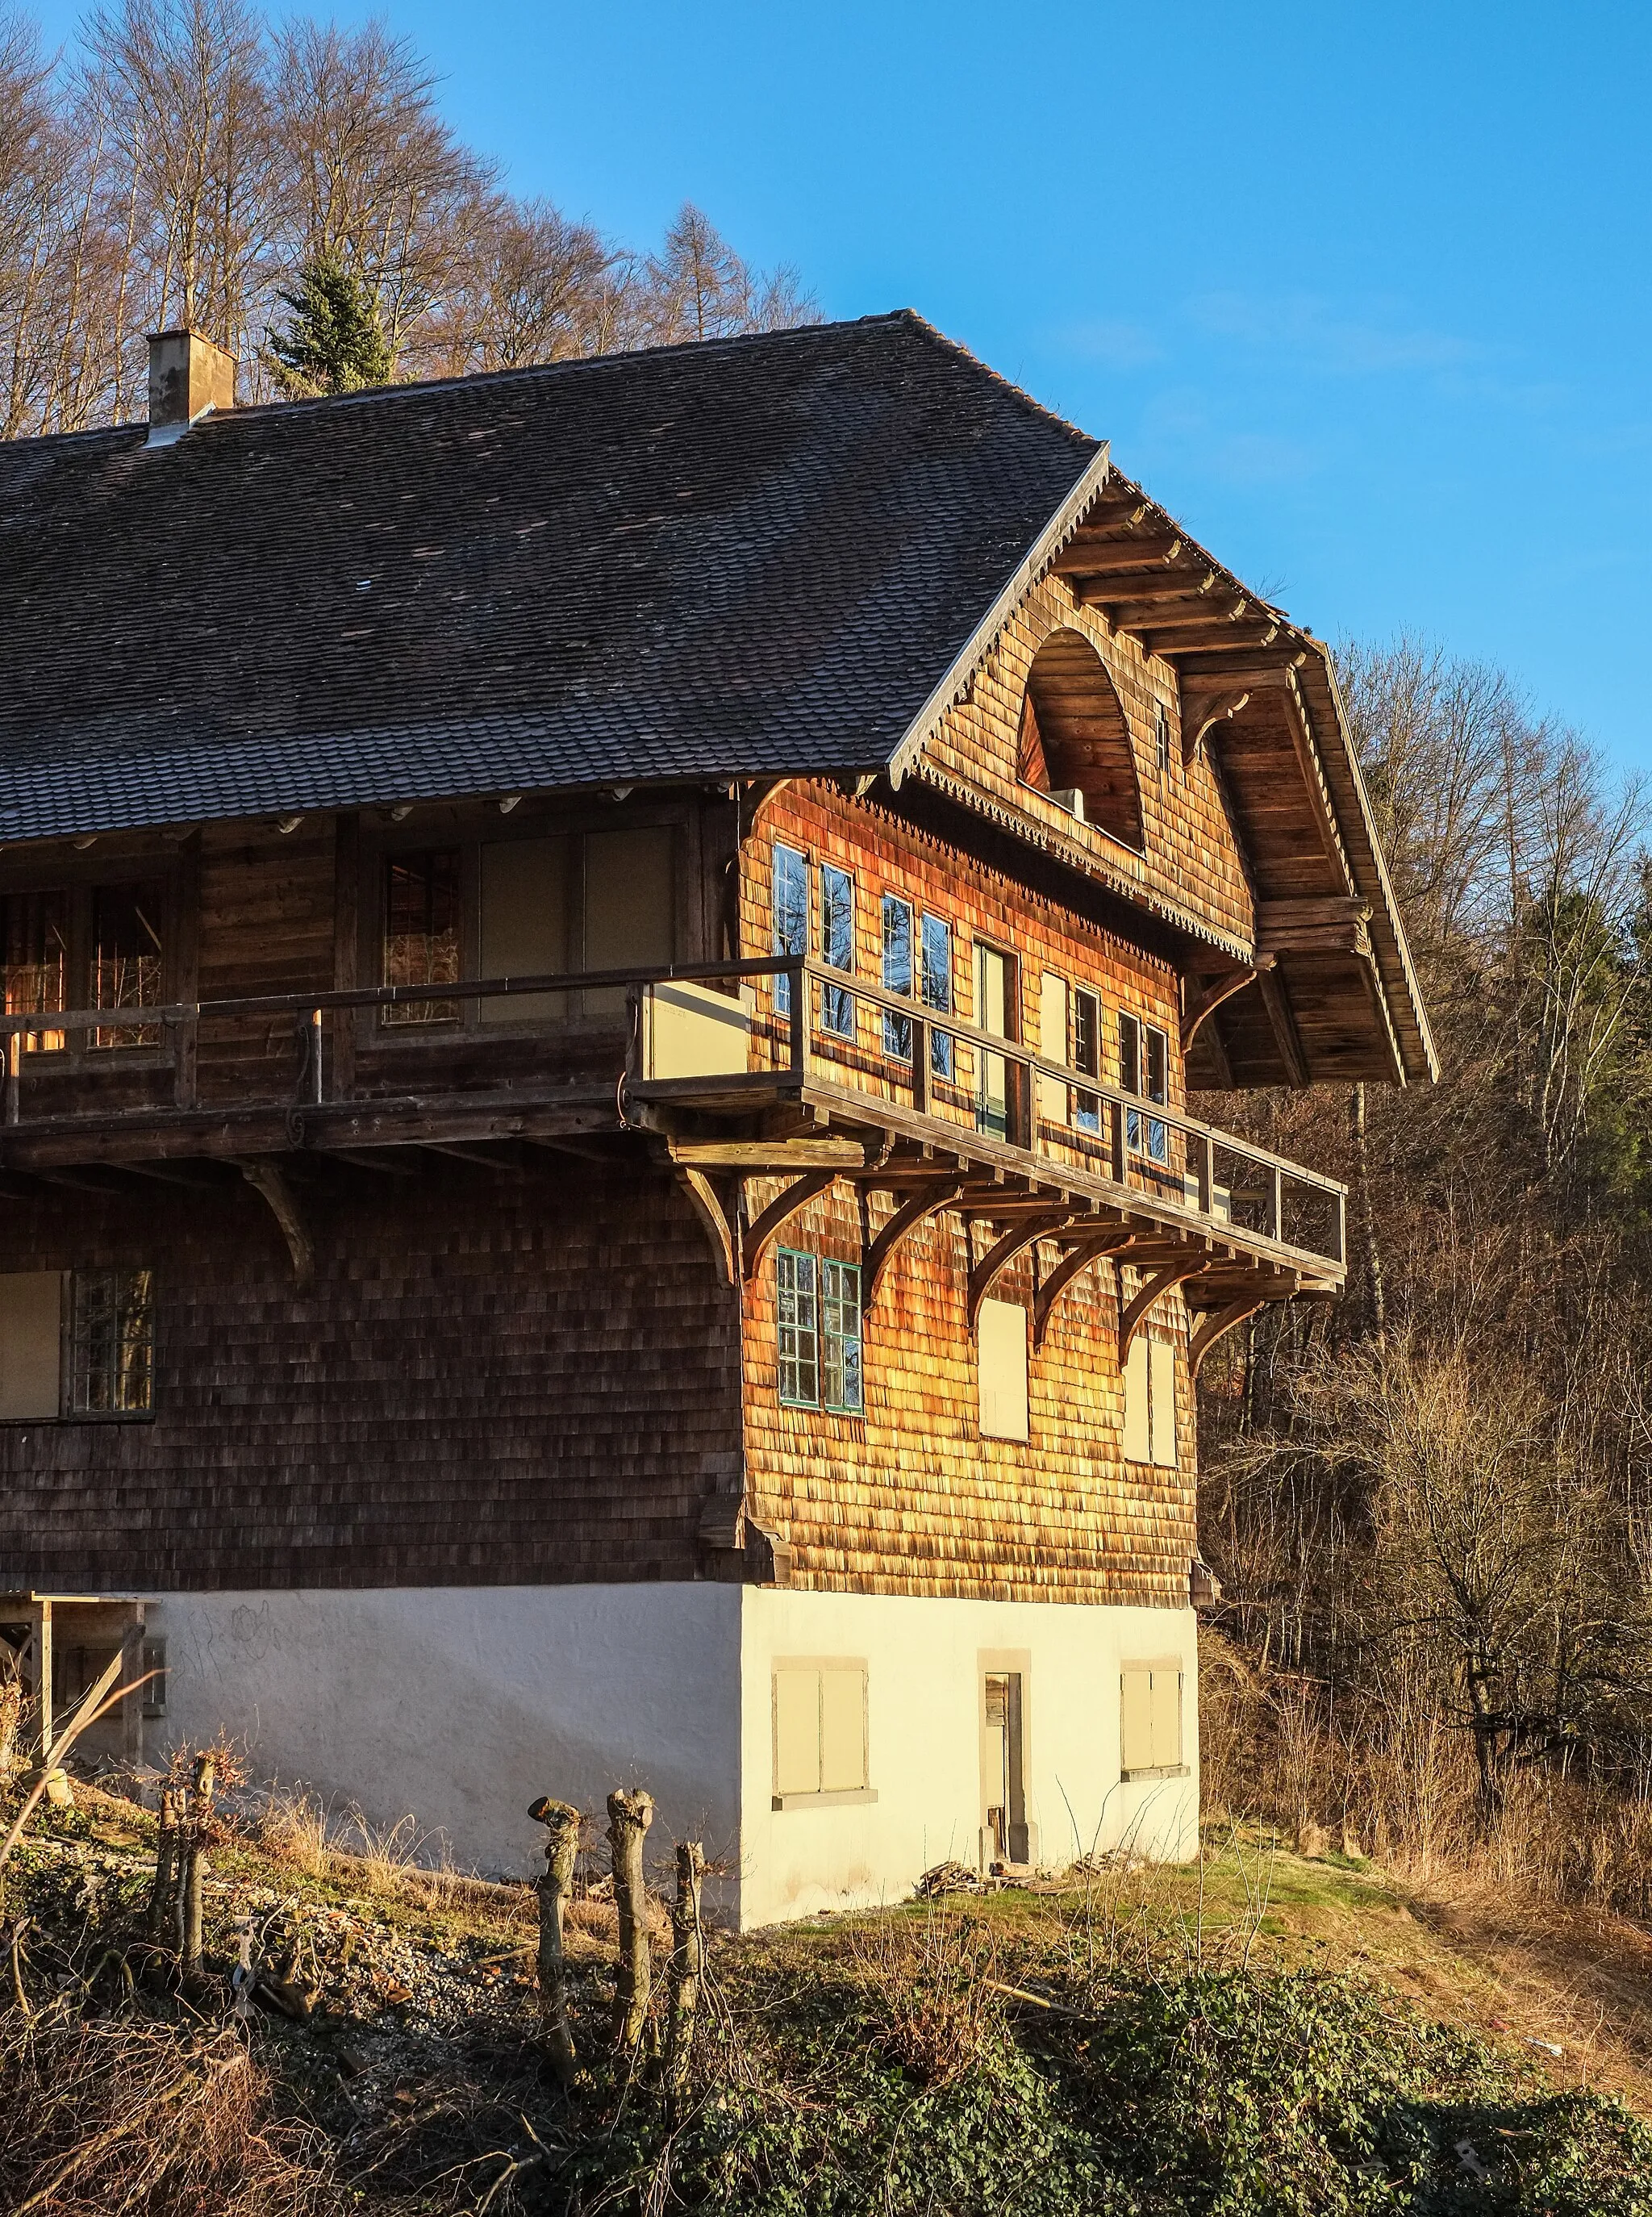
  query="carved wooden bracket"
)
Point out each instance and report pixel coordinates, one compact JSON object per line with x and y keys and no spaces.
{"x":1216,"y":1326}
{"x":715,"y":1221}
{"x":1212,"y":994}
{"x":1203,"y":708}
{"x":1070,"y":1267}
{"x":912,"y":1212}
{"x":1162,"y":1282}
{"x":265,"y":1178}
{"x":1015,"y":1241}
{"x":779,"y":1211}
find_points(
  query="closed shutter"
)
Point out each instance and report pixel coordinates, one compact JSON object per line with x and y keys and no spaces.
{"x":31,"y":1344}
{"x":1001,"y":1341}
{"x":797,"y":1732}
{"x":1138,"y":1429}
{"x":629,"y":904}
{"x":1136,"y":1719}
{"x":842,"y":1731}
{"x":1166,"y":1719}
{"x":1052,"y":1045}
{"x":524,"y":924}
{"x":1161,"y":1399}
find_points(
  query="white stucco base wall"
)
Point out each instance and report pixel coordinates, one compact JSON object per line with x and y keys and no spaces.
{"x":925,"y":1663}
{"x":459,"y":1705}
{"x":462,"y":1705}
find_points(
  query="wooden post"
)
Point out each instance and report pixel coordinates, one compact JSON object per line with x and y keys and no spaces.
{"x":1206,"y":1173}
{"x":561,"y":1823}
{"x":799,"y":974}
{"x":687,"y":1963}
{"x":132,"y":1669}
{"x":163,"y":1899}
{"x":43,"y":1674}
{"x":11,"y":1049}
{"x":194,"y":1860}
{"x":919,"y":1064}
{"x":1118,"y":1168}
{"x":630,"y":1816}
{"x":1279,"y":1206}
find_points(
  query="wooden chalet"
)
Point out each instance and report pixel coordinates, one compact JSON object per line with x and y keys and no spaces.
{"x":603,"y":969}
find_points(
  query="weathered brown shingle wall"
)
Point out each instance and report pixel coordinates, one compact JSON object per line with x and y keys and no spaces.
{"x":495,"y":1380}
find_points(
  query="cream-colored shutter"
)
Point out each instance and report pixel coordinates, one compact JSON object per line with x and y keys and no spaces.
{"x":1136,"y":1717}
{"x":842,"y":1731}
{"x":629,"y":905}
{"x":1052,"y":1045}
{"x":31,"y":1344}
{"x":1001,"y":1340}
{"x":797,"y":1732}
{"x":1166,"y":1719}
{"x":524,"y":924}
{"x":1137,"y":1434}
{"x":1162,"y":1398}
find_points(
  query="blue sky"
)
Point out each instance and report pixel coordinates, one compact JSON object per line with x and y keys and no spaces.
{"x":1361,"y":293}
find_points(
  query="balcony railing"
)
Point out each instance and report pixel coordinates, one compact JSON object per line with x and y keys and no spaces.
{"x":698,"y":1037}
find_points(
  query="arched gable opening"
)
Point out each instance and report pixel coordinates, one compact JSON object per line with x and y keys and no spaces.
{"x":1074,"y":736}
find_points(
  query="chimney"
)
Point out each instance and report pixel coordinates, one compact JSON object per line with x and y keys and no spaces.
{"x":188,"y":375}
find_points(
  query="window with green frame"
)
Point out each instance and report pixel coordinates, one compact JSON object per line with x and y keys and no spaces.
{"x":818,"y":1304}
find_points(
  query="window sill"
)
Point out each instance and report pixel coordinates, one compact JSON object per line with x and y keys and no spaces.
{"x":848,"y":1797}
{"x":1164,"y":1770}
{"x":79,"y":1417}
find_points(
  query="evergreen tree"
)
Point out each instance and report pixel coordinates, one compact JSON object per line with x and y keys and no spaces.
{"x":335,"y":343}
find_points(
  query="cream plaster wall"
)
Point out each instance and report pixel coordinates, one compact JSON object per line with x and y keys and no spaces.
{"x":460,"y":1705}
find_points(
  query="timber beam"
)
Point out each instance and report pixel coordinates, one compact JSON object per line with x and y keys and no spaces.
{"x":266,"y":1181}
{"x":1212,"y":994}
{"x":1282,"y":1022}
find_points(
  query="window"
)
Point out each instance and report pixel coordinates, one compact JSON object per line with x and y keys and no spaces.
{"x":937,"y":953}
{"x":1151,"y":1402}
{"x":818,"y":1307}
{"x":1162,"y":741}
{"x":836,"y":948}
{"x":34,"y":951}
{"x":1149,"y":1723}
{"x":111,"y":1343}
{"x":820,"y":1732}
{"x":602,"y":901}
{"x":897,"y":973}
{"x":421,"y":943}
{"x":995,"y":1008}
{"x":1144,"y":1070}
{"x":154,"y":1696}
{"x":1087,"y":1058}
{"x":31,"y":1345}
{"x":1000,"y":1349}
{"x":789,"y":894}
{"x":127,"y":958}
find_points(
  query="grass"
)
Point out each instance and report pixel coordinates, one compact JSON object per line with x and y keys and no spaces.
{"x":1256,"y":2036}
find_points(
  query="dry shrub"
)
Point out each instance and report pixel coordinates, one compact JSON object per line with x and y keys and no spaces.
{"x":118,"y":2114}
{"x":932,"y":1978}
{"x":291,"y":1829}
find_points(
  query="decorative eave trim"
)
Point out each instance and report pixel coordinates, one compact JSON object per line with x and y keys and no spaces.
{"x":1045,"y":548}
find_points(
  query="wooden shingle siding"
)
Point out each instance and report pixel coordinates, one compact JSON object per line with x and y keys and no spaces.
{"x":495,"y":1379}
{"x":909,"y":1498}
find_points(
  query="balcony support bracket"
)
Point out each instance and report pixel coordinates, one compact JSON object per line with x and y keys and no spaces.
{"x":1162,"y":1282}
{"x":1216,"y":1326}
{"x":715,"y":1221}
{"x":1020,"y":1237}
{"x":779,"y":1212}
{"x":1072,"y":1265}
{"x":917,"y":1209}
{"x":265,"y":1179}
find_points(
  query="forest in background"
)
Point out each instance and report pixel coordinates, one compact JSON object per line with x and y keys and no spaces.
{"x":190,"y":163}
{"x":1430,"y":1502}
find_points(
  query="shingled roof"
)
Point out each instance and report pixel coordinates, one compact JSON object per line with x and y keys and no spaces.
{"x":757,"y":555}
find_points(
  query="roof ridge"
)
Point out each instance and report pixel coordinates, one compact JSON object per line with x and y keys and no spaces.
{"x":1019,"y":393}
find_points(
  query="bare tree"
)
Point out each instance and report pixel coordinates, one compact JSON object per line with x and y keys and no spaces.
{"x":700,"y":288}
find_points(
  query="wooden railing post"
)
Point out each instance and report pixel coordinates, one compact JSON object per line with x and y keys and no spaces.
{"x":1206,"y":1147}
{"x":919,"y":1064}
{"x":798,"y":973}
{"x":12,"y":1051}
{"x":1119,"y":1165}
{"x":1279,"y":1204}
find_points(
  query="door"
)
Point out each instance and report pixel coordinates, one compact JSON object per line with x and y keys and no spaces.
{"x":994,"y":1004}
{"x":1001,"y":1768}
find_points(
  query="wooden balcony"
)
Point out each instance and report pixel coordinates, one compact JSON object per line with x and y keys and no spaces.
{"x":726,"y":1071}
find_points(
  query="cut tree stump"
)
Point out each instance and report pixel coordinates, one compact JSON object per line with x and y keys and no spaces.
{"x":630,"y":1816}
{"x":562,"y":1824}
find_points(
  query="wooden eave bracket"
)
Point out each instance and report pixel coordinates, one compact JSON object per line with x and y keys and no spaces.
{"x":715,"y":1220}
{"x":265,"y":1179}
{"x":1071,"y":1266}
{"x":913,"y":1211}
{"x":1205,"y":707}
{"x":1020,"y":1237}
{"x":1283,"y":1022}
{"x":779,"y":1212}
{"x":1217,"y":1325}
{"x":1162,"y":1282}
{"x":1212,"y":994}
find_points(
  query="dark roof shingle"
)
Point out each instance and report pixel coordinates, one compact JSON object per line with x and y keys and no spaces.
{"x":756,"y":555}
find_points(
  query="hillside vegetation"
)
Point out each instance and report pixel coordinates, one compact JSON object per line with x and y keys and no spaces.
{"x":1260,"y":2034}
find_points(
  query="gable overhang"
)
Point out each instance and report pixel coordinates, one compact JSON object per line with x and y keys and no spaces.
{"x":1234,"y":656}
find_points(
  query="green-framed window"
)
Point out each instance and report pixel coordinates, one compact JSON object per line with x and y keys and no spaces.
{"x":817,"y":1307}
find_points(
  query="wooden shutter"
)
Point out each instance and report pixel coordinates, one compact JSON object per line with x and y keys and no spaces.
{"x":1166,"y":1719}
{"x":1161,"y":1401}
{"x":1136,"y":1717}
{"x":525,"y":924}
{"x":1137,"y":1431}
{"x":1001,"y":1348}
{"x":842,"y":1731}
{"x":629,"y":905}
{"x":797,"y":1732}
{"x":31,"y":1344}
{"x":1052,"y":1045}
